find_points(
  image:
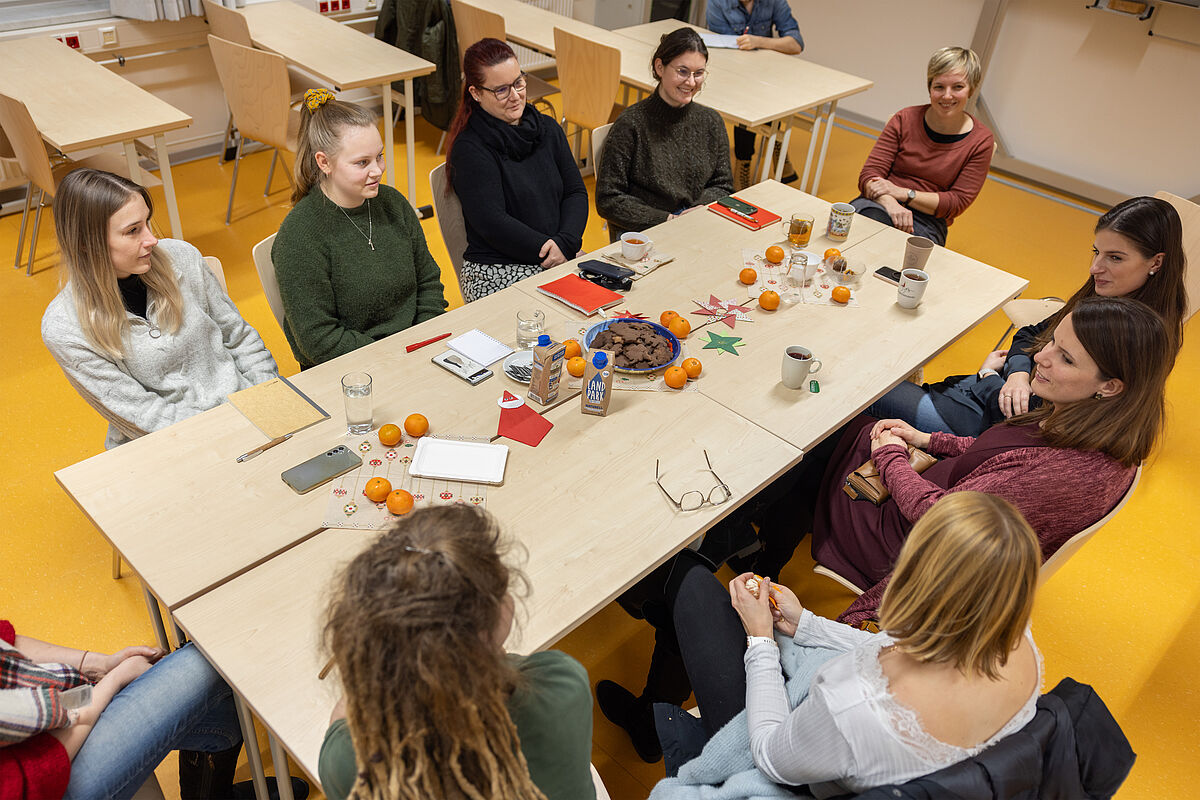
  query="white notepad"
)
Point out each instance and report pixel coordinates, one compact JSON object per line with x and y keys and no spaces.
{"x":479,"y":347}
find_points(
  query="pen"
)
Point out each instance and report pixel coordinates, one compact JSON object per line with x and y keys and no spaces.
{"x":741,"y":214}
{"x":262,"y":447}
{"x":419,"y":345}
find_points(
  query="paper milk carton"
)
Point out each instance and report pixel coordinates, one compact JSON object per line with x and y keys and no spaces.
{"x":597,"y":383}
{"x":547,"y":369}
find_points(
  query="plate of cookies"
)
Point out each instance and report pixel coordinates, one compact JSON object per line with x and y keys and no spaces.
{"x":638,"y":346}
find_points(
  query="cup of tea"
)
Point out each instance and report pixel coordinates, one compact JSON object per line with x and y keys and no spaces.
{"x":798,"y":364}
{"x":916,"y":252}
{"x":798,"y":230}
{"x":635,"y":246}
{"x":913,"y":283}
{"x":840,"y":217}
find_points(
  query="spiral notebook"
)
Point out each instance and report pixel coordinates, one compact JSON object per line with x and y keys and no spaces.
{"x":479,"y":347}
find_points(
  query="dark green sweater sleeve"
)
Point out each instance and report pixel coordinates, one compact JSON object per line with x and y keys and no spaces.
{"x":336,"y":765}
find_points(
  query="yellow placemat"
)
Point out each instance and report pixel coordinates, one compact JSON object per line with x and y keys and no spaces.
{"x":276,"y":407}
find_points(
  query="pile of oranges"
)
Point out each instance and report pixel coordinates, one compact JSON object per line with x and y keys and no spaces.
{"x":675,"y":323}
{"x":677,"y":377}
{"x":416,"y":425}
{"x":379,"y":490}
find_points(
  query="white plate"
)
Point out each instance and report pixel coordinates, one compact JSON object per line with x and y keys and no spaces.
{"x":521,"y":358}
{"x":451,"y":460}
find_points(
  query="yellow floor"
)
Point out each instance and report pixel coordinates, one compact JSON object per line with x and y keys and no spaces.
{"x":1116,"y":616}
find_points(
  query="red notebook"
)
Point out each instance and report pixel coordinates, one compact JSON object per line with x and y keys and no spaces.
{"x":581,"y":295}
{"x":760,"y":219}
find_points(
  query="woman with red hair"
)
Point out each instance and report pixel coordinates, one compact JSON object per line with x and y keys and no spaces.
{"x":523,"y":200}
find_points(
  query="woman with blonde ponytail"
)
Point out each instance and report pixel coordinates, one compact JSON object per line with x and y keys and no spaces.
{"x":434,"y":709}
{"x":142,"y":329}
{"x":350,"y":257}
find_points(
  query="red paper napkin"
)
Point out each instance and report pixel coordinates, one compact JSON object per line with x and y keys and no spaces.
{"x":521,"y":423}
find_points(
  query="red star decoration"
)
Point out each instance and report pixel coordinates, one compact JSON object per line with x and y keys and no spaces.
{"x":727,"y":311}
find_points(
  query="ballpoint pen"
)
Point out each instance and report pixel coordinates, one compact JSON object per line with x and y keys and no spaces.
{"x":419,"y":345}
{"x":262,"y":447}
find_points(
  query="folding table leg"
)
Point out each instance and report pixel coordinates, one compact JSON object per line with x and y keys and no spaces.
{"x":283,"y":778}
{"x":116,"y":565}
{"x":824,"y":145}
{"x":812,"y":148}
{"x":160,"y":631}
{"x":250,"y":739}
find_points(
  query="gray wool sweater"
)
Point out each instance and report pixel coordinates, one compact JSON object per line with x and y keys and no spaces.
{"x":165,"y":378}
{"x":658,"y":160}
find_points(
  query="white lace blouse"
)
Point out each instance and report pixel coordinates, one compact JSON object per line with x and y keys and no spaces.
{"x":849,"y":734}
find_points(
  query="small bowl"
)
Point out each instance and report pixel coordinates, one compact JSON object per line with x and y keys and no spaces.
{"x":676,"y":347}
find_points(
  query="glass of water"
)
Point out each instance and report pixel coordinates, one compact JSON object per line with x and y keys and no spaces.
{"x":530,"y":325}
{"x":356,"y":390}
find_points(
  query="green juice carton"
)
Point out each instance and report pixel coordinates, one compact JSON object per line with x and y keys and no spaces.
{"x":548,"y":359}
{"x":597,"y":383}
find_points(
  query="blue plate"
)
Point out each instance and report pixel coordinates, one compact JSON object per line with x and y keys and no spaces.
{"x":676,"y":347}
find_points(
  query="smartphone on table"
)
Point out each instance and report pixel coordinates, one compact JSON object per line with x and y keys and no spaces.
{"x":889,"y":275}
{"x":320,"y":469}
{"x":739,"y":206}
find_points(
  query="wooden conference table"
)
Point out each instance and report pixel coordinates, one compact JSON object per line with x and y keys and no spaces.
{"x":78,"y":104}
{"x":752,"y":88}
{"x":243,"y":564}
{"x":346,"y":59}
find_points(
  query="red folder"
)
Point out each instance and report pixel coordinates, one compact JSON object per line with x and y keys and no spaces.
{"x":581,"y":295}
{"x":760,"y":219}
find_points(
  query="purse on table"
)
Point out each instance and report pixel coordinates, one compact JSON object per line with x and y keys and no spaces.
{"x":865,"y":482}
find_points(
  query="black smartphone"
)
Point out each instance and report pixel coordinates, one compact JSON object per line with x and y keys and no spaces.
{"x":889,"y":275}
{"x":737,"y":205}
{"x":319,"y":469}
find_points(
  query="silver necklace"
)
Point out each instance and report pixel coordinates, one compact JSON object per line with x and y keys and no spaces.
{"x":370,"y":234}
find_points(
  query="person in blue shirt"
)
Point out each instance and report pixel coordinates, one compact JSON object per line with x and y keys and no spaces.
{"x":766,"y":24}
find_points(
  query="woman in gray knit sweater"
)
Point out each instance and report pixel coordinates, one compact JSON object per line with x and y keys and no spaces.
{"x":667,"y":154}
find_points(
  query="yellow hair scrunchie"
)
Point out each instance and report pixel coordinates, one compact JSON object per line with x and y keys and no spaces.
{"x":315,"y":98}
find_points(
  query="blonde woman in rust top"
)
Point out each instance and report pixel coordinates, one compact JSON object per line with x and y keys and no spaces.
{"x":930,"y":160}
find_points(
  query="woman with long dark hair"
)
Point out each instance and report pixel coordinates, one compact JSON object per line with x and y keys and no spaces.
{"x":523,"y":200}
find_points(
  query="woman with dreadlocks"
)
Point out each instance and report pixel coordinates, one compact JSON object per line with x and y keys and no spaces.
{"x":433,"y":707}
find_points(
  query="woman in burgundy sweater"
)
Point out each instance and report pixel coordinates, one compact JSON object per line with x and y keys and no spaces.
{"x":930,"y":161}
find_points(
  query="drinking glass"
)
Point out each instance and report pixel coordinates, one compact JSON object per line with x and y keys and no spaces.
{"x":356,"y":391}
{"x":800,"y":230}
{"x":530,"y":325}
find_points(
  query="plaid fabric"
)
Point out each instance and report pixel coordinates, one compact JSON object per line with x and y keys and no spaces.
{"x":29,"y":695}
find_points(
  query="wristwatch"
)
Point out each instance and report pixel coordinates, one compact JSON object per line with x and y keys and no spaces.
{"x":753,"y":640}
{"x":983,"y":373}
{"x":912,"y":195}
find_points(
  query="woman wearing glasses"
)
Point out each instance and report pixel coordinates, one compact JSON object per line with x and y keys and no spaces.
{"x":523,"y":200}
{"x":667,"y":154}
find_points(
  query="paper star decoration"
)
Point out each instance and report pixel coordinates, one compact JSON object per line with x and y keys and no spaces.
{"x":727,"y":311}
{"x":727,"y":343}
{"x":628,"y":315}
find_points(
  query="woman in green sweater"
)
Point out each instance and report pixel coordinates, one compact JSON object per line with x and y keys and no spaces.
{"x":667,"y":154}
{"x":345,"y":281}
{"x":433,"y":706}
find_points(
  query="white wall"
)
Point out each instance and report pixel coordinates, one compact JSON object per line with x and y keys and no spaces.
{"x":1085,"y":93}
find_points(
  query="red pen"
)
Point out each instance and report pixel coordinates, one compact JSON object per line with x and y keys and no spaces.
{"x":419,"y":345}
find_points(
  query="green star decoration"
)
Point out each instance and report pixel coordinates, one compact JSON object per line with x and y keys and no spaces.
{"x":727,"y":343}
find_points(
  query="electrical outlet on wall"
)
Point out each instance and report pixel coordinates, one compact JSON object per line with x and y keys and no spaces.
{"x":371,"y":5}
{"x":69,"y":39}
{"x":323,"y":6}
{"x":108,"y":37}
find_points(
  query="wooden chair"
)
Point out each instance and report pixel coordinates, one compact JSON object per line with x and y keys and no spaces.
{"x":1051,"y":564}
{"x":266,"y":276}
{"x":472,"y":24}
{"x":256,"y":87}
{"x":231,"y":25}
{"x":30,"y":152}
{"x":1021,"y":312}
{"x":598,"y":137}
{"x":601,"y":791}
{"x":449,"y":216}
{"x":589,"y":74}
{"x":1189,"y":214}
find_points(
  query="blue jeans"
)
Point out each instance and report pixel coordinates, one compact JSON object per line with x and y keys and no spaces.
{"x":912,"y":404}
{"x":180,"y":703}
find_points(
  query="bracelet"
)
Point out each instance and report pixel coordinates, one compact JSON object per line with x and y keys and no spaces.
{"x":82,"y":659}
{"x":983,"y":373}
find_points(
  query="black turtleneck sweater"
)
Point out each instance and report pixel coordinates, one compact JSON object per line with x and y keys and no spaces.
{"x":658,"y":160}
{"x":519,"y":186}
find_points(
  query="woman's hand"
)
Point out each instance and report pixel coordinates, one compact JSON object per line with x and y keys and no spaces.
{"x":994,"y":361}
{"x":120,"y":676}
{"x":902,"y":218}
{"x":755,"y":612}
{"x":1014,"y":394}
{"x":787,"y":609}
{"x":882,"y":187}
{"x":551,"y":255}
{"x":897,"y":431}
{"x":97,"y":665}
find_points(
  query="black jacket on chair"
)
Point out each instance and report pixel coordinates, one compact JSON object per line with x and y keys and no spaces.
{"x":426,"y":28}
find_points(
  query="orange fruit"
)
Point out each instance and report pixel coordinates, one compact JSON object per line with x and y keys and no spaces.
{"x":747,"y":276}
{"x":680,"y":327}
{"x":416,"y":425}
{"x":390,"y":435}
{"x":576,"y":365}
{"x":692,"y":367}
{"x":832,"y":253}
{"x":775,"y":254}
{"x":840,"y":294}
{"x":573,"y":348}
{"x":377,"y":489}
{"x":400,"y":502}
{"x":769,"y":300}
{"x":665,"y":317}
{"x":675,"y":377}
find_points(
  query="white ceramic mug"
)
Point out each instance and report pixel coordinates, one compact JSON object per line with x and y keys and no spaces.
{"x":840,"y":217}
{"x":913,"y":283}
{"x":635,"y":246}
{"x":798,"y":364}
{"x":916,"y":252}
